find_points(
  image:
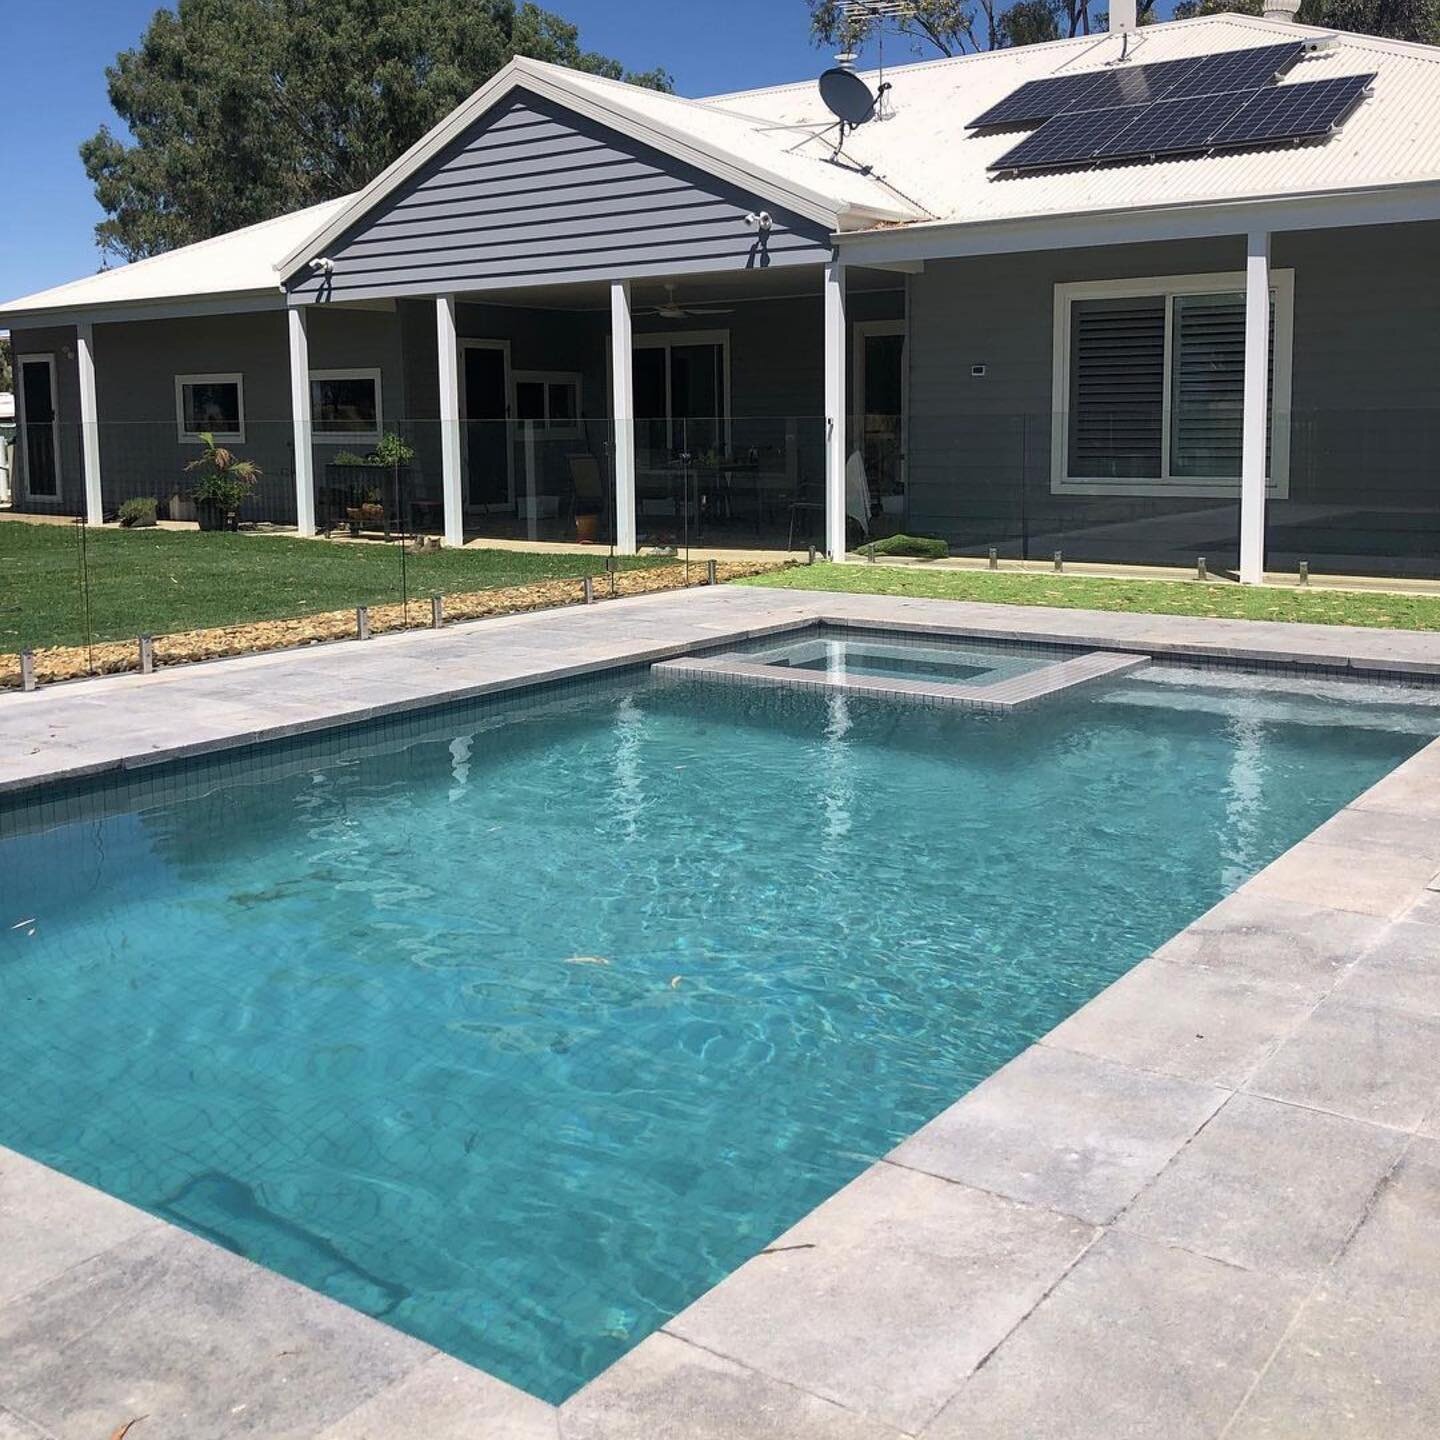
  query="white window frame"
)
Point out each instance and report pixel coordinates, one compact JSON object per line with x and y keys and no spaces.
{"x":348,"y":437}
{"x":1277,"y":486}
{"x":667,"y":340}
{"x":192,"y":437}
{"x":46,"y":358}
{"x":547,"y":378}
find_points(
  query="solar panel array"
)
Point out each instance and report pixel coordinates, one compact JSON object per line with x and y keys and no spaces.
{"x":1175,"y":107}
{"x":1140,"y":84}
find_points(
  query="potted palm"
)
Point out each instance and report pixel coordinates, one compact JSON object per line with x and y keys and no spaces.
{"x":225,"y":480}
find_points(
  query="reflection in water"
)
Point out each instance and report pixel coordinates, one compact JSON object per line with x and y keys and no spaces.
{"x":1244,"y":799}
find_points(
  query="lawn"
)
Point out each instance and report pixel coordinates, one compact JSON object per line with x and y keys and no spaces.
{"x":1157,"y":597}
{"x":159,"y":581}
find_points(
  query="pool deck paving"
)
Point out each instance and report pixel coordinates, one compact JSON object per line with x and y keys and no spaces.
{"x":1207,"y":1204}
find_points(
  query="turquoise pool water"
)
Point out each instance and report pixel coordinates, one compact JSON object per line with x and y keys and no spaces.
{"x":519,"y":1026}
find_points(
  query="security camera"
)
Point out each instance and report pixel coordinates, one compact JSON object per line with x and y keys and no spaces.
{"x":322,"y":265}
{"x":761,"y":222}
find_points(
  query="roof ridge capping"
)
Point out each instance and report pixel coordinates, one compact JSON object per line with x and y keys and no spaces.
{"x":576,"y":90}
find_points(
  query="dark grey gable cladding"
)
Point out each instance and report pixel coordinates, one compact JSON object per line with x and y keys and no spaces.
{"x":533,"y":192}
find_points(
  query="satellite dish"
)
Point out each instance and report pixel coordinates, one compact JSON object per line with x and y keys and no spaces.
{"x":847,"y":96}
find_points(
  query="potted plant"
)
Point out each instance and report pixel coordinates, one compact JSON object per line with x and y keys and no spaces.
{"x":225,"y":481}
{"x":353,"y":481}
{"x":139,"y":513}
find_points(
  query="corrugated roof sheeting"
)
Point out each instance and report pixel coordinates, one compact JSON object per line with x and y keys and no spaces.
{"x":925,"y":152}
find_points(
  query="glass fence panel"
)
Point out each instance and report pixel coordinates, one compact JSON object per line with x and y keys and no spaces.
{"x":1357,"y":495}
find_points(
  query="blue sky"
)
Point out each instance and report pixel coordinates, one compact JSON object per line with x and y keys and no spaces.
{"x":56,"y":94}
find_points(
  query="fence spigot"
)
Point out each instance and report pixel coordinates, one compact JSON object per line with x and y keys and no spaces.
{"x":362,"y":622}
{"x":994,"y":558}
{"x":437,"y":611}
{"x":587,"y":589}
{"x":147,"y":654}
{"x":27,"y":669}
{"x":1059,"y":561}
{"x":1304,"y":572}
{"x":1201,"y":573}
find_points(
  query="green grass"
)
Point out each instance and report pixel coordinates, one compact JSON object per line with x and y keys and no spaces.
{"x":1156,"y":597}
{"x":159,"y":581}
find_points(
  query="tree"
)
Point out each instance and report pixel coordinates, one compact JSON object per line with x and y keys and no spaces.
{"x":7,"y":374}
{"x":246,"y":109}
{"x":1397,"y":19}
{"x":955,"y":27}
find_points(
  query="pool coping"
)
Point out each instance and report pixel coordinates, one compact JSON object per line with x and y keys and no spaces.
{"x":951,"y":1281}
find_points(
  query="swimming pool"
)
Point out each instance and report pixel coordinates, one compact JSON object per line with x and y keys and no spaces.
{"x":521,"y":1024}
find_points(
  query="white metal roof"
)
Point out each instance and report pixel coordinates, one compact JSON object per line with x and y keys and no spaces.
{"x":925,"y":151}
{"x":918,"y":166}
{"x":235,"y":264}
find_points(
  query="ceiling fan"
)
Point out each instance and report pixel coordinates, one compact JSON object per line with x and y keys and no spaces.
{"x":673,"y":310}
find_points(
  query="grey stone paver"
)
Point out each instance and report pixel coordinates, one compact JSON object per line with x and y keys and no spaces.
{"x":1362,"y":1359}
{"x":1191,"y":1021}
{"x":1366,"y":881}
{"x":889,"y":1294}
{"x":202,"y":1343}
{"x":1301,"y":947}
{"x":441,"y":1399}
{"x":1370,"y":1062}
{"x":911,"y":1281}
{"x":1139,"y":1340}
{"x":1401,"y":970}
{"x":17,"y":1427}
{"x":1071,"y":1132}
{"x":1415,"y":835}
{"x":49,"y":1223}
{"x":667,"y":1389}
{"x":1268,"y":1186}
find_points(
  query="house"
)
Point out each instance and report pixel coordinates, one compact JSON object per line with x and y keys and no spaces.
{"x":1142,"y":297}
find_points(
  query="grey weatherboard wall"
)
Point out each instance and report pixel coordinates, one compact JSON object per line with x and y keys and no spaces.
{"x":1365,"y":412}
{"x":532,"y":193}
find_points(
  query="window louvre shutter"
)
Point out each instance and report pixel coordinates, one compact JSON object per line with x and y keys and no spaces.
{"x":1117,"y":387}
{"x":1208,"y":385}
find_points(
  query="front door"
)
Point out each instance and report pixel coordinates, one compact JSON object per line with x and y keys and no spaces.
{"x":486,"y":426}
{"x":39,"y":430}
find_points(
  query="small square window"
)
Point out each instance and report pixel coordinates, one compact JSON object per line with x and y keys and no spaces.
{"x":549,"y":401}
{"x":345,"y":405}
{"x":210,"y":405}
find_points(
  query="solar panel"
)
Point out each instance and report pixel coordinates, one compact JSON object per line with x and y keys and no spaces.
{"x":1188,"y":125}
{"x":1172,"y":127}
{"x":1034,"y":101}
{"x":1069,"y":139}
{"x":1239,"y":70}
{"x":1294,"y":112}
{"x":1039,"y":100}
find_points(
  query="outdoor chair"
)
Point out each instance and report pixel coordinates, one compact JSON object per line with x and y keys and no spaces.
{"x":588,"y":500}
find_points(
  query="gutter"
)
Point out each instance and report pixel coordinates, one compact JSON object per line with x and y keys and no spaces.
{"x":1410,"y":199}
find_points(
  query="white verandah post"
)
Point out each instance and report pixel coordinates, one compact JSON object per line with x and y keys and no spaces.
{"x":449,"y":355}
{"x":301,"y":421}
{"x":89,"y":423}
{"x":622,"y":367}
{"x":1256,"y":423}
{"x":835,"y":409}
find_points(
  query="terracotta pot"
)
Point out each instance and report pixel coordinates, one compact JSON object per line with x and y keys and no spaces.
{"x":587,"y":529}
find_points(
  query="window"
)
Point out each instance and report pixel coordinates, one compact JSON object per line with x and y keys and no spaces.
{"x":210,"y":404}
{"x":682,"y":392}
{"x":345,"y":406}
{"x":549,"y":400}
{"x":1150,"y":383}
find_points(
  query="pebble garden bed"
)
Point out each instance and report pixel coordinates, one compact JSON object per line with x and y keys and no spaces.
{"x":72,"y":662}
